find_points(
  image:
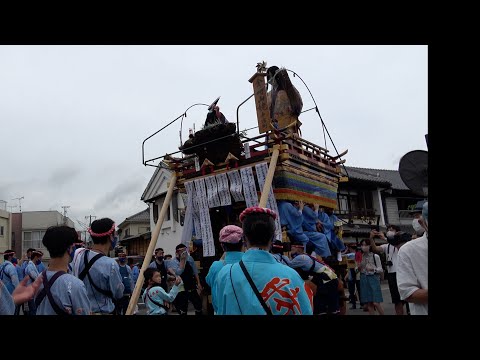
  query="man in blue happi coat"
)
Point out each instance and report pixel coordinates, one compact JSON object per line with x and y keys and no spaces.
{"x":258,"y":284}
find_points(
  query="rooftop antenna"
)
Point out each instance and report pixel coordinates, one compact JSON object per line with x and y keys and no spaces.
{"x":19,"y":202}
{"x":65,"y":207}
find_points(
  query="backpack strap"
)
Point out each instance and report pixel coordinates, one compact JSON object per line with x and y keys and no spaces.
{"x":47,"y":285}
{"x":313,"y":265}
{"x":156,"y":302}
{"x":374,"y":261}
{"x":254,"y":288}
{"x":2,"y":271}
{"x":88,"y":264}
{"x":86,"y":272}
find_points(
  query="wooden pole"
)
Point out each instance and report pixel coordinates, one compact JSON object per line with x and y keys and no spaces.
{"x":151,"y":247}
{"x":269,"y":178}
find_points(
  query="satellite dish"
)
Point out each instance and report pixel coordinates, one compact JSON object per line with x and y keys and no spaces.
{"x":413,"y":168}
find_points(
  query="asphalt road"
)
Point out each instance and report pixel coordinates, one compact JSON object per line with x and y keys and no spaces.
{"x":388,"y":307}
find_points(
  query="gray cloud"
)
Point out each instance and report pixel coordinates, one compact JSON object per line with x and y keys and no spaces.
{"x":63,"y":175}
{"x":73,"y":118}
{"x":120,"y":196}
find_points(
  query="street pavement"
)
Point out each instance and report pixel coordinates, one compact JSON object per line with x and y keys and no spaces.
{"x":388,"y":307}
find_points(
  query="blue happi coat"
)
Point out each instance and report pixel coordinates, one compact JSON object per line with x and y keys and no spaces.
{"x":68,"y":292}
{"x":282,"y":289}
{"x":231,"y":257}
{"x":105,"y":274}
{"x":8,"y":274}
{"x":293,"y":218}
{"x":7,"y":307}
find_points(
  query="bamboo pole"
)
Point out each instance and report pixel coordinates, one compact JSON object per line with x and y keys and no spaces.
{"x":269,"y":178}
{"x":151,"y":247}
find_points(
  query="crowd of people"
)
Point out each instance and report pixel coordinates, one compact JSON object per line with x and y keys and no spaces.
{"x":253,"y":277}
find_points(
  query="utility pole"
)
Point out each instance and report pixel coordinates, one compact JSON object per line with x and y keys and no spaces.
{"x":65,"y":207}
{"x":19,"y":202}
{"x":90,"y":219}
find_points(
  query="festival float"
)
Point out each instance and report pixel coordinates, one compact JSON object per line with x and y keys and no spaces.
{"x":222,"y":171}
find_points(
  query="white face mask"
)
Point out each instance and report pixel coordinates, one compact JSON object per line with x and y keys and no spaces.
{"x":390,"y":234}
{"x":365,"y":248}
{"x":419,"y":230}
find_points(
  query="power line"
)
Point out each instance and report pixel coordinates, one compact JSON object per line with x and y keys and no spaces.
{"x":85,"y":227}
{"x":20,"y":201}
{"x":90,"y":219}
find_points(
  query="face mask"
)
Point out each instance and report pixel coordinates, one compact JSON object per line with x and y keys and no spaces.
{"x":114,"y":242}
{"x":123,"y":260}
{"x":14,"y":260}
{"x":419,"y":230}
{"x":160,"y":258}
{"x":38,"y":262}
{"x":365,"y":248}
{"x":390,"y":234}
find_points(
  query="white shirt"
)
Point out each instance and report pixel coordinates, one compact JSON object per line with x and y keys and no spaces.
{"x":412,"y":271}
{"x":391,"y":255}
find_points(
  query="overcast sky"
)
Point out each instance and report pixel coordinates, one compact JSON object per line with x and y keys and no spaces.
{"x":73,"y":118}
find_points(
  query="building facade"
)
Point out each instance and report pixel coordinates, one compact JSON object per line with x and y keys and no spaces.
{"x":371,"y":198}
{"x":154,"y":195}
{"x":133,"y":231}
{"x":5,"y":230}
{"x":30,"y":226}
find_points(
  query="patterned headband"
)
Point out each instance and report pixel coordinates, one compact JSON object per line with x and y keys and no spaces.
{"x":91,"y":232}
{"x":8,"y":253}
{"x":257,"y":209}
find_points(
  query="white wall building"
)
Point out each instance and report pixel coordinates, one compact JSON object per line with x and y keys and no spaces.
{"x":5,"y":230}
{"x":34,"y":225}
{"x":154,"y":195}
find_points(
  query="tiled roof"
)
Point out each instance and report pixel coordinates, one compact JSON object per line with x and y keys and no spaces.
{"x":142,"y":216}
{"x":381,"y":176}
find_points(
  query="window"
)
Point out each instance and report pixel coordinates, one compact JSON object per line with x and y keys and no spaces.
{"x":157,"y":208}
{"x":167,"y":215}
{"x":155,"y":213}
{"x":33,"y":239}
{"x":365,"y":203}
{"x":342,"y":204}
{"x":37,"y":239}
{"x":354,"y":203}
{"x":127,"y":232}
{"x":1,"y":230}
